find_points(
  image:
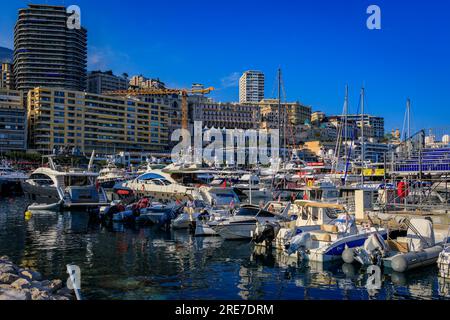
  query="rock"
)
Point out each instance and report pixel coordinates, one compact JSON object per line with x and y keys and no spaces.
{"x":55,"y":285}
{"x":31,"y":275}
{"x":21,"y":283}
{"x":36,"y":294}
{"x":8,"y":278}
{"x":7,"y":268}
{"x":25,"y":284}
{"x":11,"y":295}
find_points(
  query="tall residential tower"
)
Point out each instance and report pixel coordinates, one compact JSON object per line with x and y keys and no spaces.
{"x":251,"y":87}
{"x":47,"y":53}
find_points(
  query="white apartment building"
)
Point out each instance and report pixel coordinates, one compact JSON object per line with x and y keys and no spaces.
{"x":251,"y":87}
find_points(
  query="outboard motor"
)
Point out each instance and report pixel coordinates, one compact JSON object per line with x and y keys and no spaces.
{"x":268,"y":234}
{"x":371,"y":253}
{"x":168,"y":216}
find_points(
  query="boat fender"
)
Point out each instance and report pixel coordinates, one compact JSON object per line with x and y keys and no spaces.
{"x":28,"y":215}
{"x":349,"y":270}
{"x":399,"y":263}
{"x":348,"y":255}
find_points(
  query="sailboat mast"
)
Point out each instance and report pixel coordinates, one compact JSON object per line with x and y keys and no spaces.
{"x":279,"y":108}
{"x":363,"y":143}
{"x":346,"y":120}
{"x":408,"y":112}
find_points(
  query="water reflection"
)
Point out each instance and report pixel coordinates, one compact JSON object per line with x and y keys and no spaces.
{"x":129,"y":262}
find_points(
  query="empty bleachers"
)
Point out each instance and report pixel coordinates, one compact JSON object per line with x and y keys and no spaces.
{"x":428,"y":160}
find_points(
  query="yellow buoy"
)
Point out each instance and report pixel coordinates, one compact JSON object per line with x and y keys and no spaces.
{"x":28,"y":215}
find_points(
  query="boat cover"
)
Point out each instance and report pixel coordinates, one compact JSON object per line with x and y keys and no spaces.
{"x":425,"y":239}
{"x":373,"y":242}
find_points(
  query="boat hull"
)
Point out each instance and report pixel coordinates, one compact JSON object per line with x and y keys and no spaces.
{"x":403,"y":262}
{"x":35,"y":194}
{"x":236,"y":231}
{"x":204,"y":230}
{"x":49,"y":195}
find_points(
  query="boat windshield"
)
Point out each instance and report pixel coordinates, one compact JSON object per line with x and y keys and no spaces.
{"x":41,"y":179}
{"x":247,"y":211}
{"x":76,"y":181}
{"x":158,"y":182}
{"x":224,"y":199}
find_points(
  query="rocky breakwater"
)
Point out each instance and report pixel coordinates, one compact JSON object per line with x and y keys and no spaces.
{"x":24,"y":284}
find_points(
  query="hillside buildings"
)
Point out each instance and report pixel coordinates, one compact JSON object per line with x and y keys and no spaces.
{"x":141,"y":82}
{"x":100,"y":82}
{"x":226,"y":115}
{"x":373,"y":125}
{"x":293,"y":113}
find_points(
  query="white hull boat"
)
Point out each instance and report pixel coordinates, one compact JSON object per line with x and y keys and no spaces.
{"x":236,"y":230}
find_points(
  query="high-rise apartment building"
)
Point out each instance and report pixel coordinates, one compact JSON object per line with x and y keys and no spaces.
{"x":100,"y":82}
{"x":6,"y":77}
{"x":47,"y":53}
{"x":60,"y":118}
{"x":251,"y":87}
{"x":13,"y":135}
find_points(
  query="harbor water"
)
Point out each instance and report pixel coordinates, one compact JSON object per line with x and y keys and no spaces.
{"x":131,"y":262}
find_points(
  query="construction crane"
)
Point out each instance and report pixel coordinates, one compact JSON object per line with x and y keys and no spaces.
{"x":163,"y":91}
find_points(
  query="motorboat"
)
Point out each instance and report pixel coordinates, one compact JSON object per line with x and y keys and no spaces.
{"x":159,"y":186}
{"x":418,"y":249}
{"x":144,"y":211}
{"x":243,"y":223}
{"x":111,"y":174}
{"x":221,"y":201}
{"x":251,"y":185}
{"x":69,"y":186}
{"x":10,"y":178}
{"x":189,"y":215}
{"x":321,"y":232}
{"x":215,"y":204}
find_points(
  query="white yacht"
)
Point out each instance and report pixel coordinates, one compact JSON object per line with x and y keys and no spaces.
{"x":220,"y":201}
{"x":8,"y":174}
{"x":159,"y":186}
{"x":111,"y":174}
{"x":64,"y":185}
{"x":243,"y":223}
{"x":10,"y":179}
{"x":214,"y":206}
{"x":251,"y":185}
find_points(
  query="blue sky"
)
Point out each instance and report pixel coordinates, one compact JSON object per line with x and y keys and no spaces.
{"x":320,"y":45}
